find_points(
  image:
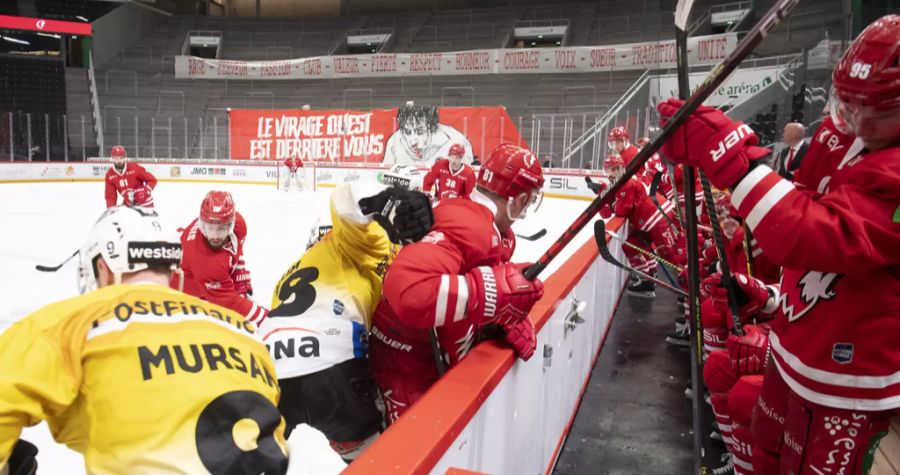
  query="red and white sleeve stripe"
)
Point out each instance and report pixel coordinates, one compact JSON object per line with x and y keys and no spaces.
{"x":452,"y":299}
{"x":256,"y":314}
{"x":758,"y":193}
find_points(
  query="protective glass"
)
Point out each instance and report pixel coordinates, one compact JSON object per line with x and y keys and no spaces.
{"x":614,"y":172}
{"x":216,"y":234}
{"x":535,"y":198}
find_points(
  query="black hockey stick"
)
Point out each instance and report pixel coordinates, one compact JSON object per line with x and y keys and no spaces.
{"x":727,"y":278}
{"x":654,"y":186}
{"x":715,"y":79}
{"x":533,"y":237}
{"x":58,"y":266}
{"x":682,"y":12}
{"x":670,"y":170}
{"x":600,"y":236}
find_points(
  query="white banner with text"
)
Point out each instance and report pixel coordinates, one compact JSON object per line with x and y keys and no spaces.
{"x":702,"y":50}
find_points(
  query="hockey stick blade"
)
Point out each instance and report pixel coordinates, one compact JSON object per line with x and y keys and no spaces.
{"x":600,"y":237}
{"x":533,"y":237}
{"x":56,"y":267}
{"x":715,"y":79}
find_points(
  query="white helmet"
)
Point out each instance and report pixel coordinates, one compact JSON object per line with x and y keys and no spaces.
{"x":129,"y":239}
{"x":403,"y":176}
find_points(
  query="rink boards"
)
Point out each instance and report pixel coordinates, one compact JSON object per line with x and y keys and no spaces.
{"x":557,"y":183}
{"x":492,"y":413}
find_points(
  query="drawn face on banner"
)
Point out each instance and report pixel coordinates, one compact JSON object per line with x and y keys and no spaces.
{"x":420,"y":139}
{"x":418,"y":124}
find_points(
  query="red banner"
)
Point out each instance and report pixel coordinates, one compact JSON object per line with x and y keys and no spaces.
{"x":47,"y":26}
{"x":409,"y":135}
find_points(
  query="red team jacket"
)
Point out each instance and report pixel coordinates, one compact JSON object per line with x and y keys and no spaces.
{"x":828,"y":145}
{"x":207,"y":271}
{"x":134,"y":177}
{"x":629,"y":153}
{"x":449,"y":184}
{"x":426,"y":287}
{"x":834,"y":340}
{"x":634,"y":204}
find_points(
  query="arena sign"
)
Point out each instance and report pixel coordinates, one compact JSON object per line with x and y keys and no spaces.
{"x":580,"y":59}
{"x":409,"y":135}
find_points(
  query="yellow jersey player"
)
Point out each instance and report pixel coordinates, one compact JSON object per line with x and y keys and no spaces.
{"x":138,"y":377}
{"x":322,"y":308}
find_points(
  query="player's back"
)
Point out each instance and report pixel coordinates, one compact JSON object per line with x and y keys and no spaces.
{"x":144,"y":379}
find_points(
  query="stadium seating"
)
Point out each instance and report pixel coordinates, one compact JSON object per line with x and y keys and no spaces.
{"x":139,"y":81}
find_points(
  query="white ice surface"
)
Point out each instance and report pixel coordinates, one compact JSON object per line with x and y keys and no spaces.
{"x":44,"y":223}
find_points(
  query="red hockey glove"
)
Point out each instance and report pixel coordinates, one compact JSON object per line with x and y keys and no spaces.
{"x":751,"y":294}
{"x":710,"y":140}
{"x":241,"y":277}
{"x":521,"y":337}
{"x":501,"y":294}
{"x":748,"y":352}
{"x":141,"y":196}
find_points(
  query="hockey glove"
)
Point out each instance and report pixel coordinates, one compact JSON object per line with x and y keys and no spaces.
{"x":405,"y":215}
{"x":752,"y":295}
{"x":141,"y":196}
{"x":22,"y":460}
{"x":501,"y":294}
{"x":748,"y":352}
{"x":521,"y":337}
{"x":715,"y":331}
{"x":708,"y":139}
{"x":596,"y":187}
{"x":241,"y":277}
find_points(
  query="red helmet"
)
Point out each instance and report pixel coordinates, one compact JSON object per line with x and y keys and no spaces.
{"x":117,"y":151}
{"x":642,"y":142}
{"x":613,"y":161}
{"x":217,"y":208}
{"x":510,"y":170}
{"x":869,"y":72}
{"x":618,"y":133}
{"x":457,"y":150}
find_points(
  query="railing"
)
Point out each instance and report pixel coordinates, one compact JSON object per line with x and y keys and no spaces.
{"x":593,"y":132}
{"x":95,"y":104}
{"x":26,"y":136}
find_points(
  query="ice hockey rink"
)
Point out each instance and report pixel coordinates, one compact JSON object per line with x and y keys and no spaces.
{"x":46,"y":222}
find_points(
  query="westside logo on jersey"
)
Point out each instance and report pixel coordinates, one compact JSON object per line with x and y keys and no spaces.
{"x":812,"y":288}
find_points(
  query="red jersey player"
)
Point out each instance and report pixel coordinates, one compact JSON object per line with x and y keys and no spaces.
{"x":292,"y":165}
{"x":454,"y":179}
{"x":457,"y":279}
{"x":213,"y":257}
{"x":128,"y":179}
{"x":834,"y":375}
{"x":646,"y":223}
{"x":619,"y":143}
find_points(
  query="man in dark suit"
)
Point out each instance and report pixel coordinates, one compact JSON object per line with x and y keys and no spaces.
{"x":789,"y":158}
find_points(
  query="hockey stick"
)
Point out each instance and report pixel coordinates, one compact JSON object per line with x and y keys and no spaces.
{"x":727,"y":278}
{"x":647,"y":253}
{"x":56,"y":267}
{"x":715,"y":79}
{"x":533,"y":237}
{"x":670,"y":170}
{"x":600,"y":234}
{"x":682,"y":12}
{"x":654,"y":186}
